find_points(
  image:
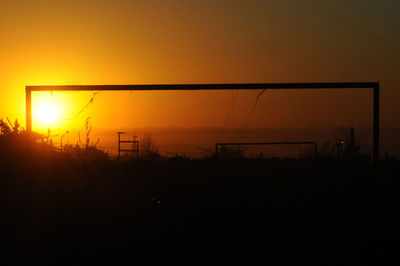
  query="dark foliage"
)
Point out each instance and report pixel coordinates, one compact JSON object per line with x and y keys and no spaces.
{"x":61,"y":209}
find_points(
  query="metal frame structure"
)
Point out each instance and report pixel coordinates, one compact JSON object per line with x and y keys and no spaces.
{"x":314,"y":143}
{"x":134,"y":142}
{"x":235,"y":86}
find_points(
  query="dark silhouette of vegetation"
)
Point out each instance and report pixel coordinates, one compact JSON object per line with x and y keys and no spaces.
{"x":230,"y":152}
{"x":76,"y":208}
{"x":14,"y":141}
{"x":85,"y":150}
{"x":351,"y":145}
{"x":148,"y":148}
{"x":346,"y":146}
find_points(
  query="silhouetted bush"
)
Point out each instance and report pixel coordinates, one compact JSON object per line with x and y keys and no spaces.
{"x":230,"y":152}
{"x":167,"y":210}
{"x":86,"y":150}
{"x":14,"y":142}
{"x":88,"y":153}
{"x":148,"y":148}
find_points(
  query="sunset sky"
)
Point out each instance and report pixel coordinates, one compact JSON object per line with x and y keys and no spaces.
{"x":149,"y":42}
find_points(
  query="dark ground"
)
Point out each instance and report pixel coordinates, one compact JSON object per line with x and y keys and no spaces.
{"x":58,"y":211}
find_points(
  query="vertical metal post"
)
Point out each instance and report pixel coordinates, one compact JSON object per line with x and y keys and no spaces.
{"x":376,"y":99}
{"x":375,"y":156}
{"x":28,"y":109}
{"x":137,"y":148}
{"x":119,"y":144}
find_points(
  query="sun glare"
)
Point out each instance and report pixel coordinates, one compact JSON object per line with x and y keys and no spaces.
{"x":47,"y":113}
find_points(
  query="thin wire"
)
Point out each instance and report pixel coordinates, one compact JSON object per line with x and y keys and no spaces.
{"x":246,"y":122}
{"x":234,"y":97}
{"x":91,"y":100}
{"x":294,"y":110}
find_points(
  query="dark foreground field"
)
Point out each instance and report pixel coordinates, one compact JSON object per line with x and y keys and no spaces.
{"x":57,"y":211}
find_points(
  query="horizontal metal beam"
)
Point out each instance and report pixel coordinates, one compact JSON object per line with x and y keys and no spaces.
{"x":227,"y":86}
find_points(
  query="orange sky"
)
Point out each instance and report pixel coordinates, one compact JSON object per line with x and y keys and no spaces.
{"x":141,"y":42}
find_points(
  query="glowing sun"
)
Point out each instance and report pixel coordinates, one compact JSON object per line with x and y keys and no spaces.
{"x":47,"y":113}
